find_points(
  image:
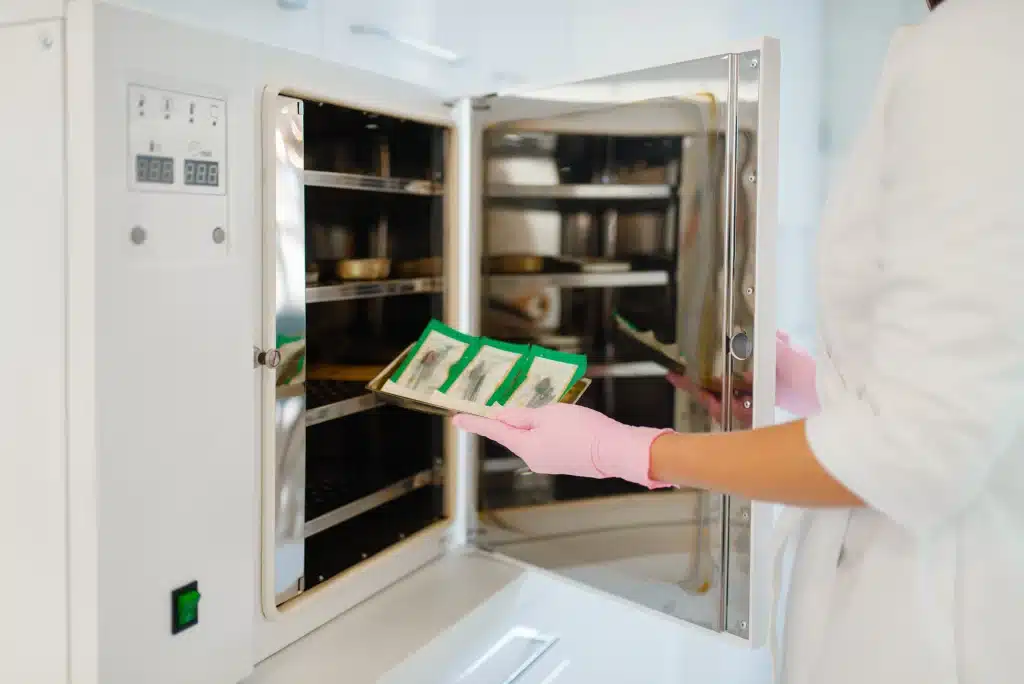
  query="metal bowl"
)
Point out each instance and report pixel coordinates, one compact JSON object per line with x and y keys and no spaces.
{"x":516,"y":263}
{"x":430,"y":267}
{"x":364,"y":269}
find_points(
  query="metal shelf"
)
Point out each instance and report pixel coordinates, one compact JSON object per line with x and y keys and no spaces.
{"x":340,"y":409}
{"x":368,"y":503}
{"x":372,"y":288}
{"x":626,"y":369}
{"x":355,"y":181}
{"x":595,"y":191}
{"x":580,"y":280}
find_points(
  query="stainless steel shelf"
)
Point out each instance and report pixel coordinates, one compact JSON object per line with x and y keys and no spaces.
{"x":371,"y":289}
{"x":624,"y":279}
{"x":339,"y":409}
{"x":626,"y":369}
{"x":354,"y":181}
{"x":368,"y":503}
{"x":595,"y":191}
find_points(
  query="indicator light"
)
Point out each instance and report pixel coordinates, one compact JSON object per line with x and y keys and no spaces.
{"x":185,"y":607}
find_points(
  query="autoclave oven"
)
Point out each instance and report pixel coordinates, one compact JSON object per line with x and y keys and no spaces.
{"x":233,"y":487}
{"x":533,"y":217}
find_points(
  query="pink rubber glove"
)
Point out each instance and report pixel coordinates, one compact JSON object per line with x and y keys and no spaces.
{"x":562,"y":439}
{"x":795,"y":389}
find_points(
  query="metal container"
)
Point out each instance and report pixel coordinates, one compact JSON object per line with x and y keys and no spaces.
{"x":516,"y":263}
{"x":430,"y":267}
{"x":332,"y":242}
{"x":363,"y":269}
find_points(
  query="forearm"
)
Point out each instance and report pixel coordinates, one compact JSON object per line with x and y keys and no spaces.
{"x":773,"y":464}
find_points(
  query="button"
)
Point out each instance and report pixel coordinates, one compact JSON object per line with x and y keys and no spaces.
{"x":185,"y":607}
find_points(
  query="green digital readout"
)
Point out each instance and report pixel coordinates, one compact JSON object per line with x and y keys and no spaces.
{"x":200,"y":172}
{"x":150,"y":169}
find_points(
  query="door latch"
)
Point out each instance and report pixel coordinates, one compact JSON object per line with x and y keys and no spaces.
{"x":270,"y":358}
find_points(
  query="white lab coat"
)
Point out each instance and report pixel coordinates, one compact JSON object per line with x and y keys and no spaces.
{"x":921,"y":375}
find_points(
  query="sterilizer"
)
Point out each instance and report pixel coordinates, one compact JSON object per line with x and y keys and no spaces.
{"x":253,"y":232}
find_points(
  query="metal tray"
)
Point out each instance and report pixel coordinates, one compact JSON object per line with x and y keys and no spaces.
{"x":521,"y":264}
{"x":377,"y":384}
{"x":631,"y":343}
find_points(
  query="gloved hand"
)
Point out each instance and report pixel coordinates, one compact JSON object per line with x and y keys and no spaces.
{"x":712,"y":402}
{"x":562,"y":439}
{"x":795,"y":389}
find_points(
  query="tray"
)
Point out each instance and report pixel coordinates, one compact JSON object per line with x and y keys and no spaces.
{"x":386,"y":393}
{"x":642,"y":344}
{"x":524,"y":264}
{"x":343,"y":373}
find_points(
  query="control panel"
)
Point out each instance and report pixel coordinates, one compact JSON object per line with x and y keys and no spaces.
{"x":176,"y":142}
{"x":176,"y":176}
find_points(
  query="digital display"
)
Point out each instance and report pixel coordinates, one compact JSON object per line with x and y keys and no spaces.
{"x":150,"y":169}
{"x":199,"y":172}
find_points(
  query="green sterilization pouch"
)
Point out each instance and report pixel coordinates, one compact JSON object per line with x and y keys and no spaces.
{"x":433,"y":359}
{"x":486,"y":372}
{"x":544,"y":378}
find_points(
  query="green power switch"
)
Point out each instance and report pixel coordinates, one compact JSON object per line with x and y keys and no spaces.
{"x":185,"y":607}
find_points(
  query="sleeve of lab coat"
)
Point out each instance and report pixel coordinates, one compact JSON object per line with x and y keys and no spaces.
{"x":941,"y":400}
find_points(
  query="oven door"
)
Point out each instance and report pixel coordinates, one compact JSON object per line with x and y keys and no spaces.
{"x":650,"y":195}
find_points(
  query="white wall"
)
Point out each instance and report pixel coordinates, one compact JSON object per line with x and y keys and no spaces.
{"x":33,"y":357}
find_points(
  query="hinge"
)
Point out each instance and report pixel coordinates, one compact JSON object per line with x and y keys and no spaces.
{"x":482,"y":104}
{"x":474,"y":539}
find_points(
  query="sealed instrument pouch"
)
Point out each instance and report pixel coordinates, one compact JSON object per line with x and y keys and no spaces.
{"x":487,"y":372}
{"x":433,"y":358}
{"x":546,"y":377}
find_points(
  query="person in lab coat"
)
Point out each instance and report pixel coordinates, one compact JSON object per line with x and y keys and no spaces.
{"x":909,"y":537}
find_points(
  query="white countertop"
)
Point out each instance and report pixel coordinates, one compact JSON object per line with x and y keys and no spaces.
{"x":377,"y":635}
{"x":432,"y":626}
